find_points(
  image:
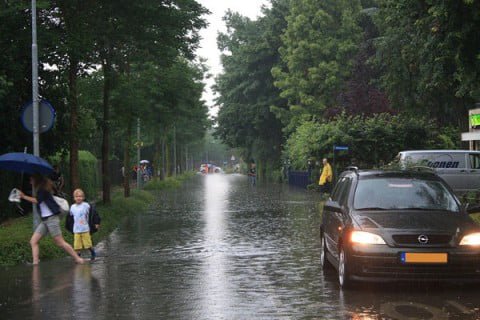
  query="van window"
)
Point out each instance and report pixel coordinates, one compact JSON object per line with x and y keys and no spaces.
{"x":474,"y":160}
{"x":437,"y":160}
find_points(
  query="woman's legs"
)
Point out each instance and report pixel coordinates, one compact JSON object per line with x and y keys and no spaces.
{"x":34,"y":244}
{"x":59,"y":241}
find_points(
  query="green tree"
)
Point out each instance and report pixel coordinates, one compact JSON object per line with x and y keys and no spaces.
{"x":319,"y":44}
{"x":428,"y":51}
{"x":127,"y":30}
{"x":246,"y":85}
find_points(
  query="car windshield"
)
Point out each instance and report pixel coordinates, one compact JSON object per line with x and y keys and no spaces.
{"x":403,"y":193}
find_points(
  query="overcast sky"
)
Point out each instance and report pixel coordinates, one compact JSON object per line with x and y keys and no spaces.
{"x":208,"y":44}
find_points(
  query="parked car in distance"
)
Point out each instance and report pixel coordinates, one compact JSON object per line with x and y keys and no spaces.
{"x":459,"y":168}
{"x":398,"y":226}
{"x":209,"y":168}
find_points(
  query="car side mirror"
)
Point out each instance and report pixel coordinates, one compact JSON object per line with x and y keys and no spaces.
{"x":471,"y":209}
{"x":334,"y":206}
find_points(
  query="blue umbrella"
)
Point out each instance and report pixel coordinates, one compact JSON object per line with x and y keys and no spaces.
{"x":25,"y":162}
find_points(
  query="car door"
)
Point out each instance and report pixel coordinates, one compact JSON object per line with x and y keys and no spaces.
{"x":452,"y":167}
{"x":473,"y":171}
{"x":337,"y":219}
{"x":327,"y":218}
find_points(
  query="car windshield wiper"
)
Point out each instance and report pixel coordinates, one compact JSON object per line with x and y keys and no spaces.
{"x":371,"y":208}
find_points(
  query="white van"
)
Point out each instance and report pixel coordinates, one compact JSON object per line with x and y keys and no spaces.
{"x":459,"y":168}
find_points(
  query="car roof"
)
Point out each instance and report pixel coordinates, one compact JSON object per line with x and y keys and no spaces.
{"x":439,"y":151}
{"x":392,"y":174}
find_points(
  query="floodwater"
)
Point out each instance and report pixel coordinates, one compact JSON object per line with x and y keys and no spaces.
{"x":218,"y":248}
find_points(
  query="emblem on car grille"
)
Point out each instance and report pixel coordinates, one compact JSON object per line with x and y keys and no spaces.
{"x":422,"y":239}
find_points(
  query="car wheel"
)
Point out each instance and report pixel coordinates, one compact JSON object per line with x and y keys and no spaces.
{"x":343,"y":270}
{"x":324,"y":263}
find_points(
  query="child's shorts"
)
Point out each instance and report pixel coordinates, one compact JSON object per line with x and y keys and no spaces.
{"x":82,"y":241}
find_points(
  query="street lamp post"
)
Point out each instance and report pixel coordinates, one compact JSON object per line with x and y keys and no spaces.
{"x":36,"y":133}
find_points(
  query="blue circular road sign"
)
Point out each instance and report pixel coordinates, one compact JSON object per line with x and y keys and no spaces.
{"x":46,"y":114}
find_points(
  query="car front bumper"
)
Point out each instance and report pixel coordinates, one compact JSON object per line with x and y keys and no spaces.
{"x":383,"y":263}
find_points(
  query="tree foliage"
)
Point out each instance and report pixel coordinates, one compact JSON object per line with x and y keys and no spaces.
{"x":103,"y":65}
{"x":376,"y":75}
{"x":371,"y":140}
{"x":428,"y":51}
{"x":319,"y":44}
{"x":246,"y":87}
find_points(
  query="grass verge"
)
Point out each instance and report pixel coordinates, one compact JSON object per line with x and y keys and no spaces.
{"x":168,"y":183}
{"x":15,"y":236}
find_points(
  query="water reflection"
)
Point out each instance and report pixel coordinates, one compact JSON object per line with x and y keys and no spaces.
{"x":213,"y":280}
{"x":83,"y":296}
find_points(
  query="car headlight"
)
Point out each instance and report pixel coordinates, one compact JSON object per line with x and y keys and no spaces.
{"x":472,"y":239}
{"x":363,"y":237}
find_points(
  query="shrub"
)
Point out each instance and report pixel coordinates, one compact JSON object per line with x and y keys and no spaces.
{"x":371,"y":140}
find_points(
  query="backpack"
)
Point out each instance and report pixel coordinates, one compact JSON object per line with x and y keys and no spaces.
{"x":93,"y":219}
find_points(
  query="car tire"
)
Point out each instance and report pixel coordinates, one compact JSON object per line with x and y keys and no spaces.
{"x":324,"y":263}
{"x":344,"y":277}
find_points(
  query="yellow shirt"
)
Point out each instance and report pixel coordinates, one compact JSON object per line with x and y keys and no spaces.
{"x":326,"y":175}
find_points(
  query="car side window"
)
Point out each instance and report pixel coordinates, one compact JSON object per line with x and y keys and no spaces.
{"x":474,"y":161}
{"x":340,"y":193}
{"x":343,"y":197}
{"x":338,"y":189}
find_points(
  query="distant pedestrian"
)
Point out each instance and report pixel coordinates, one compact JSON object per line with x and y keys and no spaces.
{"x":80,"y":211}
{"x":326,"y":177}
{"x":49,"y":212}
{"x":252,"y":174}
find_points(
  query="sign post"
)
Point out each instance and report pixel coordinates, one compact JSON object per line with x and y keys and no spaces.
{"x":36,"y":133}
{"x":337,"y":148}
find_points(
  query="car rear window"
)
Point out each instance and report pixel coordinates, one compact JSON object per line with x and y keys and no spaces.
{"x":383,"y":193}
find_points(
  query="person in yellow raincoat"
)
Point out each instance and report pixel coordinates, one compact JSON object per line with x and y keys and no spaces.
{"x":326,"y":177}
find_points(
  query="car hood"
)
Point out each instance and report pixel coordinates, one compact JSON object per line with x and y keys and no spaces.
{"x":415,"y":220}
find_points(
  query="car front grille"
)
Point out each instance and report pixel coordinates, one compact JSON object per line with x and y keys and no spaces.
{"x":419,"y":271}
{"x":457,"y":267}
{"x":412,"y":240}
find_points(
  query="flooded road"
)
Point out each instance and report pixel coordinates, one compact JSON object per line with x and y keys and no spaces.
{"x":218,"y":249}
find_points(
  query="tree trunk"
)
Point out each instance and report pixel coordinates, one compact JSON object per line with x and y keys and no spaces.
{"x":164,"y":165}
{"x":106,"y":130}
{"x":126,"y":160}
{"x":174,"y":150}
{"x":156,"y":156}
{"x":179,"y":159}
{"x":74,"y":143}
{"x":167,"y":160}
{"x":186,"y":158}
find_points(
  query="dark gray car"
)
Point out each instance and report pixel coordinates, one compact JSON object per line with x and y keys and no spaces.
{"x":398,"y":226}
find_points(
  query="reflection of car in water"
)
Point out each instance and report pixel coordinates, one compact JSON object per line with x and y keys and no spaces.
{"x":398,"y":225}
{"x":209,"y":168}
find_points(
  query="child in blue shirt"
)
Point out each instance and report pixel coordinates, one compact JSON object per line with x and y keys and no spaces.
{"x":81,"y":230}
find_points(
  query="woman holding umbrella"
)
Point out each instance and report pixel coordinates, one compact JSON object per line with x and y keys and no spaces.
{"x":48,"y":210}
